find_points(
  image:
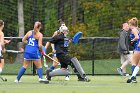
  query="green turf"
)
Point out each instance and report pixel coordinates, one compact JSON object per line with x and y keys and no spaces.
{"x":98,"y":84}
{"x":104,"y":66}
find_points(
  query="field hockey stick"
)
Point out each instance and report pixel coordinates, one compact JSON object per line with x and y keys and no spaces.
{"x":3,"y":79}
{"x":45,"y":63}
{"x":51,"y":58}
{"x":13,"y":51}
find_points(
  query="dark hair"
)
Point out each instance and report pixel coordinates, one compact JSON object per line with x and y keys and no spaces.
{"x":1,"y":23}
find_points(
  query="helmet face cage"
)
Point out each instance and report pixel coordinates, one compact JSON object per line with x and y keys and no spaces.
{"x":63,"y":29}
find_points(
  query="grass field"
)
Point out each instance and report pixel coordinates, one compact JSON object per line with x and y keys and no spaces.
{"x":98,"y":84}
{"x":104,"y":66}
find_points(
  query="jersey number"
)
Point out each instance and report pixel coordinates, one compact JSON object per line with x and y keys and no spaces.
{"x":31,"y":42}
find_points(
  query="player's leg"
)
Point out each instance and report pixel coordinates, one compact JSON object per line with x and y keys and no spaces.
{"x":128,"y":61}
{"x":22,"y":70}
{"x":38,"y":65}
{"x":39,"y":68}
{"x":54,"y":65}
{"x":63,"y":71}
{"x":135,"y":60}
{"x":120,"y":69}
{"x":1,"y":64}
{"x":75,"y":64}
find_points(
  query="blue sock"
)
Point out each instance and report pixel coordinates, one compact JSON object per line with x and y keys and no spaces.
{"x":132,"y":68}
{"x":52,"y":67}
{"x":40,"y":72}
{"x":20,"y":73}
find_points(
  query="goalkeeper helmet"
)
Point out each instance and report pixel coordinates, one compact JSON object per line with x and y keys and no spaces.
{"x":63,"y":29}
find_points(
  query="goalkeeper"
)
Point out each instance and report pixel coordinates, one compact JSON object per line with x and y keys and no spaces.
{"x":54,"y":65}
{"x":60,"y":41}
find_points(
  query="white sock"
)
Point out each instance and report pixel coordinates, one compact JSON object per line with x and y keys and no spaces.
{"x":0,"y":70}
{"x":136,"y":70}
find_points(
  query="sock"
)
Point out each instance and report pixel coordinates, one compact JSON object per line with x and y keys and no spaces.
{"x":0,"y":70}
{"x":67,"y":75}
{"x":40,"y":72}
{"x":20,"y":73}
{"x":52,"y":67}
{"x":136,"y":70}
{"x":133,"y":67}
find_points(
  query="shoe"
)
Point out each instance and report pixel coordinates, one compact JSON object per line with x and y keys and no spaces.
{"x":125,"y":74}
{"x":84,"y":79}
{"x":120,"y":71}
{"x":132,"y":80}
{"x":67,"y":78}
{"x":16,"y":81}
{"x":43,"y":81}
{"x":47,"y":74}
{"x":87,"y":79}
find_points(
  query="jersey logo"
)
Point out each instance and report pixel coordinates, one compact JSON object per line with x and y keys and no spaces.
{"x":66,"y":42}
{"x":31,"y":42}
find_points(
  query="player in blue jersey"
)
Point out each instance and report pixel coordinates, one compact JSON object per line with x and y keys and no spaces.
{"x":135,"y":39}
{"x":32,"y":52}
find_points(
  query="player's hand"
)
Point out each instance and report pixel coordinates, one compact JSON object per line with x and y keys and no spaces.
{"x":42,"y":52}
{"x":3,"y":50}
{"x":139,"y":45}
{"x":53,"y":51}
{"x":7,"y":41}
{"x":21,"y":49}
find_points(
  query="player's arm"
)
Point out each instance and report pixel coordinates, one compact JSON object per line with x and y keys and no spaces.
{"x":7,"y":41}
{"x":2,"y":40}
{"x":40,"y":41}
{"x":51,"y":41}
{"x":52,"y":45}
{"x":24,"y":39}
{"x":53,"y":49}
{"x":135,"y":32}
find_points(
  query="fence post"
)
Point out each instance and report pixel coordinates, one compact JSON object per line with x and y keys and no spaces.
{"x":93,"y":40}
{"x":34,"y":19}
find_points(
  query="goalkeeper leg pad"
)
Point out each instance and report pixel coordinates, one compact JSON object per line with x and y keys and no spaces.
{"x":78,"y":67}
{"x":59,"y":72}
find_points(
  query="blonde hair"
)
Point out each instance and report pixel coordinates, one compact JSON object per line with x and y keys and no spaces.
{"x":133,"y":21}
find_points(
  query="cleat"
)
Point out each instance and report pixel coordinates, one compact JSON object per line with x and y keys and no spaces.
{"x":67,"y":78}
{"x":132,"y":80}
{"x":125,"y":74}
{"x":120,"y":71}
{"x":47,"y":74}
{"x":16,"y":81}
{"x":84,"y":79}
{"x":87,"y":79}
{"x":43,"y":81}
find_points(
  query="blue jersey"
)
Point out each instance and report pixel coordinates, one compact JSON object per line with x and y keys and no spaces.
{"x":135,"y":43}
{"x":32,"y":50}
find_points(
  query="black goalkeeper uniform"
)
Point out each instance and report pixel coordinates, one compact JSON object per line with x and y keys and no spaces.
{"x":61,"y":46}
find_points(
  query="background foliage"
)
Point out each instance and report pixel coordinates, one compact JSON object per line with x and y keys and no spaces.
{"x":93,"y":17}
